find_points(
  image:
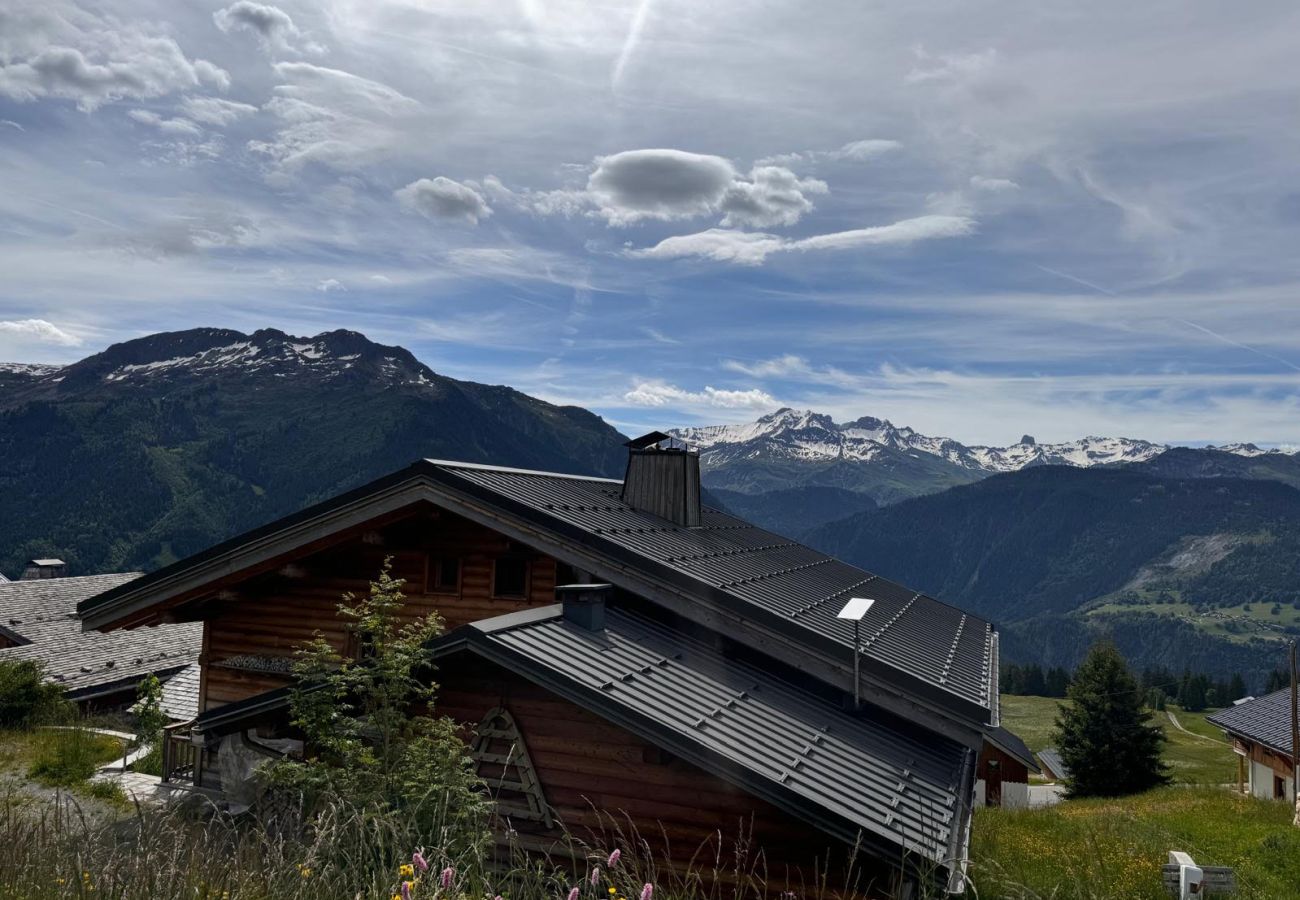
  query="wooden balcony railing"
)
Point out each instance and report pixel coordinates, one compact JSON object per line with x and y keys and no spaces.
{"x":182,"y":762}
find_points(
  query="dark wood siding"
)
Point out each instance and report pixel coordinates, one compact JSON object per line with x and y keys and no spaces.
{"x":603,"y":782}
{"x":256,"y":625}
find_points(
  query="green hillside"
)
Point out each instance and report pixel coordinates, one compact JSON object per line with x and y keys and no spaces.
{"x":158,"y":448}
{"x":1059,"y":556}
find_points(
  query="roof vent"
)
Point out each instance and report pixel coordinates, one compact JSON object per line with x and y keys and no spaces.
{"x":43,"y":568}
{"x":663,"y":478}
{"x":584,"y":604}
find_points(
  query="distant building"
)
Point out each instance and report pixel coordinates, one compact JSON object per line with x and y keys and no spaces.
{"x":1053,"y":766}
{"x":38,"y":622}
{"x":1260,"y":730}
{"x":1002,"y":773}
{"x":43,"y":568}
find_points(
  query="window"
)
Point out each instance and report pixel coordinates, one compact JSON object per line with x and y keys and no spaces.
{"x":510,"y":577}
{"x":1279,"y":788}
{"x":444,"y":575}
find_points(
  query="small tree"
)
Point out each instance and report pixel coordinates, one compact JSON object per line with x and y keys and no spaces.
{"x":1105,"y":734}
{"x":26,"y":698}
{"x":370,"y":734}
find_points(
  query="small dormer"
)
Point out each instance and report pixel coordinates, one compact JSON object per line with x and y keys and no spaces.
{"x":44,"y":568}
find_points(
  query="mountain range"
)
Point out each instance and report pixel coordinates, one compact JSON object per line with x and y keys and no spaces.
{"x":769,"y":466}
{"x":159,"y":447}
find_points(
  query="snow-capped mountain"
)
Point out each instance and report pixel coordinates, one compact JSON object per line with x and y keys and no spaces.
{"x":160,"y":446}
{"x":807,"y":435}
{"x":873,"y":456}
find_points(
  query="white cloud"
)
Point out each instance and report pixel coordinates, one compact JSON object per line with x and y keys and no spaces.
{"x":442,"y":198}
{"x":274,"y":28}
{"x":334,"y":118}
{"x":753,"y":248}
{"x":783,"y":366}
{"x":330,"y":285}
{"x":39,"y":330}
{"x":995,"y":185}
{"x":665,"y":184}
{"x":214,"y":110}
{"x":73,"y":55}
{"x":175,"y":126}
{"x":855,"y":151}
{"x":661,"y":394}
{"x":773,"y":196}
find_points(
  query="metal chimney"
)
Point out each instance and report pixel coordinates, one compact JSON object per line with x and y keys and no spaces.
{"x":663,"y":478}
{"x":584,"y":604}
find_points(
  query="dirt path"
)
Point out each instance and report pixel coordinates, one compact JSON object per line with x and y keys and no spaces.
{"x":1179,"y":725}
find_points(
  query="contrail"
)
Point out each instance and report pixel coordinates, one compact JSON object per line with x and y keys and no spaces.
{"x":629,"y":45}
{"x":1077,"y":280}
{"x":1228,"y":340}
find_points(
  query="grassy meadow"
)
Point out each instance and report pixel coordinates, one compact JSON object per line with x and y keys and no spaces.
{"x":1113,"y":849}
{"x":1202,"y":757}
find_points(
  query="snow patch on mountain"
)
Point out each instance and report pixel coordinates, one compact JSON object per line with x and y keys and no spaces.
{"x":807,"y":435}
{"x":32,"y":370}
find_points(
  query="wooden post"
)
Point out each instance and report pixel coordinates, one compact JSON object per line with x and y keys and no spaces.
{"x":1295,"y":743}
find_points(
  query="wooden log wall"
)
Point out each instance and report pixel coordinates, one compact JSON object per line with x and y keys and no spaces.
{"x":265,"y":619}
{"x":607,"y":787}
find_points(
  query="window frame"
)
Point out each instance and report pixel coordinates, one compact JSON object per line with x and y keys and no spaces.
{"x":433,"y":576}
{"x":527,"y":577}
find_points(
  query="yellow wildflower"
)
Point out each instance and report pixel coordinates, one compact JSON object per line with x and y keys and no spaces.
{"x":406,"y":871}
{"x":613,"y":891}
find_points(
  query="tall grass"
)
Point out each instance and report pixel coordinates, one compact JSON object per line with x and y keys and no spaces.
{"x":342,"y":851}
{"x":65,"y":757}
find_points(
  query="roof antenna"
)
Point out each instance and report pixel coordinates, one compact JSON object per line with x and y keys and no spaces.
{"x":855,"y":609}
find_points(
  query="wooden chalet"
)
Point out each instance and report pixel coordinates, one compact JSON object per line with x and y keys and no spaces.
{"x":1260,"y":731}
{"x":646,"y":658}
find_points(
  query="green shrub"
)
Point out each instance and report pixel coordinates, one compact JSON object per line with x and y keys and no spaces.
{"x":67,"y":757}
{"x":26,"y":699}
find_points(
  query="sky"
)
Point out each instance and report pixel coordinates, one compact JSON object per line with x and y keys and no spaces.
{"x":979,"y":219}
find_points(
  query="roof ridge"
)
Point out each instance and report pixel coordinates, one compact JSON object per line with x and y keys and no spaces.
{"x":486,"y":467}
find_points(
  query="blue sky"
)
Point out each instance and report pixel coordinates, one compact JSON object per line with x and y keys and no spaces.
{"x":978,"y":219}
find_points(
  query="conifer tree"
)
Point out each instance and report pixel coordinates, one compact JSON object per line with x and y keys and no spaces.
{"x":1105,"y":734}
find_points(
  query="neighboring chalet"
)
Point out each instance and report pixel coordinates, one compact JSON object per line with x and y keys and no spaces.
{"x":631,"y":651}
{"x":38,"y":622}
{"x":1261,"y":737}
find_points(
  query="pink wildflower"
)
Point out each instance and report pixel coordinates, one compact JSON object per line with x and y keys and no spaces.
{"x":447,"y":875}
{"x":406,"y":890}
{"x":595,"y":876}
{"x":647,"y":892}
{"x":613,"y":858}
{"x":418,"y":860}
{"x":573,"y":894}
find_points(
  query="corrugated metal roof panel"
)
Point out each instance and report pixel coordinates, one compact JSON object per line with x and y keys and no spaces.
{"x":880,"y":774}
{"x":1265,"y":720}
{"x":928,"y":639}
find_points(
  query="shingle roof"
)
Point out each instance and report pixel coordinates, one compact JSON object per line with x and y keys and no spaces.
{"x":43,"y":613}
{"x":844,"y":773}
{"x":1264,"y":720}
{"x":804,"y":588}
{"x":180,"y":694}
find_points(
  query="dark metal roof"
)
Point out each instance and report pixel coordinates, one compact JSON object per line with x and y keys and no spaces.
{"x":1011,"y":744}
{"x":800,"y":587}
{"x":1052,"y":762}
{"x":900,"y":787}
{"x":747,"y":579}
{"x":1264,"y":720}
